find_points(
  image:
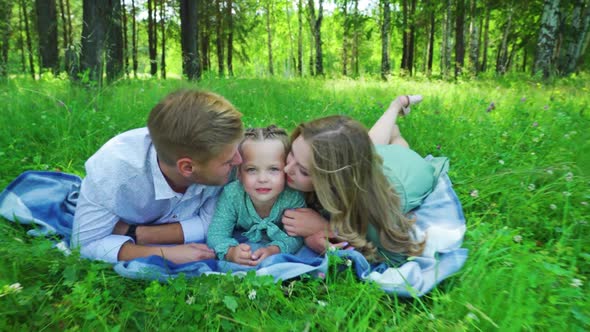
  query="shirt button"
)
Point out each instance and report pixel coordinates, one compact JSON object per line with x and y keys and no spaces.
{"x":174,"y":216}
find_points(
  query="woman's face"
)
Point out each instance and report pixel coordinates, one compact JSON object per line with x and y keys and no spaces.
{"x":298,"y":166}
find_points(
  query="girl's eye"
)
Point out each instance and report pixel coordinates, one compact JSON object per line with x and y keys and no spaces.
{"x":251,"y":170}
{"x":304,"y":173}
{"x":275,"y":169}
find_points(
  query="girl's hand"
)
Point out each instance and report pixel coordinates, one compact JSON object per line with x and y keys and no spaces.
{"x":260,"y":254}
{"x":303,"y":222}
{"x":240,"y":254}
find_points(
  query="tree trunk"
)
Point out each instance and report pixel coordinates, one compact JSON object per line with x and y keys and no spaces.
{"x":47,"y":32}
{"x":546,"y":40}
{"x":64,"y":23}
{"x":404,"y":60}
{"x":125,"y":40}
{"x":28,"y":38}
{"x":474,"y":38}
{"x":446,"y":42}
{"x":269,"y":37}
{"x":5,"y":32}
{"x":205,"y":23}
{"x":316,"y":22}
{"x":355,"y":39}
{"x":502,"y":59}
{"x":345,"y":37}
{"x":189,"y":32}
{"x":163,"y":32}
{"x":93,"y":39}
{"x":134,"y":38}
{"x":292,"y":63}
{"x":219,"y":37}
{"x":431,"y":42}
{"x":230,"y":38}
{"x":114,"y":55}
{"x":574,"y":37}
{"x":152,"y":37}
{"x":459,"y":38}
{"x":486,"y":40}
{"x":300,"y":38}
{"x":385,"y":37}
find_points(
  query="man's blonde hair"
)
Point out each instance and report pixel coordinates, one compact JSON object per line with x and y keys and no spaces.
{"x":195,"y":124}
{"x":349,"y":183}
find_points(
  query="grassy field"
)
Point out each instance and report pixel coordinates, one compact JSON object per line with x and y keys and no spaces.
{"x":520,"y":156}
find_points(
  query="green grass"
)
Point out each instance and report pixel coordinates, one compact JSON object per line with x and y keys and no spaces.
{"x":521,"y":171}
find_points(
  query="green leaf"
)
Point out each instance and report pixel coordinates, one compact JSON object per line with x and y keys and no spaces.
{"x":230,"y":302}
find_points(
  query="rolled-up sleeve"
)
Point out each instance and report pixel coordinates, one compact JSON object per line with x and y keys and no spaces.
{"x":195,"y":228}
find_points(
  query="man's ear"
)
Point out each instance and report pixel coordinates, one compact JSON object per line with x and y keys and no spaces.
{"x":185,"y":166}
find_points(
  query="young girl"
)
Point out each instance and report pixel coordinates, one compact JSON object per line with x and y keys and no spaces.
{"x":255,"y":202}
{"x":366,"y":182}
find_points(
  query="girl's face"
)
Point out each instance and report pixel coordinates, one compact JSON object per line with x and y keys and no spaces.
{"x":298,"y":166}
{"x":261,"y":172}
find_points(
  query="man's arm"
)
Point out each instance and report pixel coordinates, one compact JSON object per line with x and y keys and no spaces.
{"x":153,"y":234}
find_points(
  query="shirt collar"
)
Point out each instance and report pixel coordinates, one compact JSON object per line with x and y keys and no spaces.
{"x":162,"y":189}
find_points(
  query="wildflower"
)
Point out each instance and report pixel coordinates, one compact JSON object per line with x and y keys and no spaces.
{"x":531,"y":187}
{"x":569,"y":176}
{"x":584,"y":203}
{"x":348,"y":262}
{"x":552,"y":206}
{"x":16,"y":287}
{"x":566,"y":193}
{"x":546,"y":107}
{"x":501,"y":162}
{"x":523,"y":99}
{"x":505,"y":134}
{"x":535,"y":124}
{"x":474,"y":193}
{"x":21,"y":241}
{"x":549,"y":171}
{"x":532,"y":153}
{"x":252,"y":294}
{"x":582,"y":222}
{"x":332,"y":249}
{"x":536,"y":139}
{"x":491,"y":107}
{"x":438,"y":146}
{"x":322,"y":303}
{"x":190,"y":300}
{"x":321,"y":275}
{"x":566,"y":136}
{"x":517,"y":238}
{"x":576,"y":283}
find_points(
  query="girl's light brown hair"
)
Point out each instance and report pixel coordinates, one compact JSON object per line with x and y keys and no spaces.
{"x":266,"y":133}
{"x":195,"y":124}
{"x":350,"y":184}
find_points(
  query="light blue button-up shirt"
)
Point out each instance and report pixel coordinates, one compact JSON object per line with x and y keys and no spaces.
{"x":124,"y":182}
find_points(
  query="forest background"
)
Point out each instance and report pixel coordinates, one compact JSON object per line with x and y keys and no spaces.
{"x":506,"y":89}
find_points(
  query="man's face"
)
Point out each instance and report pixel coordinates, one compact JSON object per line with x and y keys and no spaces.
{"x":216,"y":171}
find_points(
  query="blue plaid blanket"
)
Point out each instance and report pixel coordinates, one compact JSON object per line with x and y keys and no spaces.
{"x":47,"y":200}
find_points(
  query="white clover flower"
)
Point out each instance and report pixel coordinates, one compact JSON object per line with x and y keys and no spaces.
{"x":552,"y":206}
{"x":15,"y":288}
{"x":505,"y":134}
{"x":474,"y":193}
{"x":549,"y":171}
{"x":531,"y":187}
{"x":322,"y":303}
{"x":190,"y":300}
{"x":576,"y":283}
{"x":501,"y":162}
{"x":348,"y":262}
{"x":536,"y":139}
{"x":517,"y":238}
{"x":566,"y":193}
{"x":472,"y":316}
{"x":252,"y":295}
{"x":569,"y":176}
{"x":584,"y":203}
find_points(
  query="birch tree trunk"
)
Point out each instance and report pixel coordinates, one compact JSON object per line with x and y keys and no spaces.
{"x":269,"y":37}
{"x":219,"y":23}
{"x":163,"y":33}
{"x":152,"y":37}
{"x":300,"y":38}
{"x":446,"y":46}
{"x":546,"y":40}
{"x":385,"y":37}
{"x":230,"y":38}
{"x":316,"y":22}
{"x":459,"y":38}
{"x":502,"y":59}
{"x":134,"y":39}
{"x":345,"y":37}
{"x":574,"y":36}
{"x":28,"y":38}
{"x":486,"y":40}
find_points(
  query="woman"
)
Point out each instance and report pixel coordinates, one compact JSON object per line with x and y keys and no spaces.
{"x":365,"y":183}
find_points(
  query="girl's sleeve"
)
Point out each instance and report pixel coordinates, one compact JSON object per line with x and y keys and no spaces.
{"x":288,"y":244}
{"x":219,"y":236}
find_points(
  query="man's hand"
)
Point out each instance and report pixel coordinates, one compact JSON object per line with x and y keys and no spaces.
{"x":319,"y":242}
{"x":260,"y":254}
{"x":189,"y":252}
{"x":120,"y":228}
{"x":303,"y":222}
{"x":241,"y":254}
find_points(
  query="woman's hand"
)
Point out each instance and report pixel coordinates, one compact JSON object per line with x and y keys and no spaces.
{"x":319,"y":242}
{"x":303,"y":222}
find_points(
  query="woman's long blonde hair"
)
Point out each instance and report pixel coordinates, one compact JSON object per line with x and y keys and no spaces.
{"x":350,"y":184}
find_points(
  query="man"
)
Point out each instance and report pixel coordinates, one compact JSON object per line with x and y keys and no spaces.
{"x":153,"y":191}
